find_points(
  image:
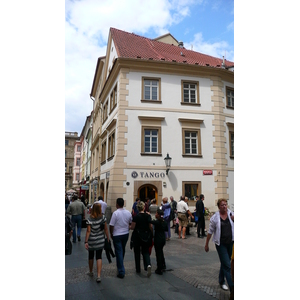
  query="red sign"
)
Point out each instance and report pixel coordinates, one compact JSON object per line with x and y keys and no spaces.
{"x":207,"y":172}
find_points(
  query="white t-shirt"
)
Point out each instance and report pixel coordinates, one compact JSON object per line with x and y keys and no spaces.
{"x":182,"y":207}
{"x":120,"y":219}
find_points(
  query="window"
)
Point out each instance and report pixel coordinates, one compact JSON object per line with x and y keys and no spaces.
{"x":70,"y":170}
{"x":66,"y":142}
{"x":111,"y":145}
{"x":151,"y":135}
{"x":229,"y":97}
{"x":190,"y":92}
{"x":113,"y":99}
{"x":190,"y":141}
{"x":105,"y":112}
{"x":191,"y":137}
{"x":103,"y":152}
{"x":78,"y":148}
{"x":65,"y":167}
{"x":151,"y":140}
{"x":78,"y":161}
{"x":231,"y":140}
{"x":191,"y":189}
{"x":77,"y":176}
{"x":65,"y":153}
{"x":151,"y":89}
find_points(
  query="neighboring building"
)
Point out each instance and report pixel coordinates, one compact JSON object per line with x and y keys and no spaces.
{"x":70,"y":139}
{"x":85,"y":139}
{"x":77,"y":165}
{"x":153,"y":97}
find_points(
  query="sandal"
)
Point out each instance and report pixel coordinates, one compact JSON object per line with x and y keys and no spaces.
{"x":90,"y":274}
{"x":98,"y":279}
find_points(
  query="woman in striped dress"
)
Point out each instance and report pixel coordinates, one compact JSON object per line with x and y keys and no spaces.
{"x":94,"y":239}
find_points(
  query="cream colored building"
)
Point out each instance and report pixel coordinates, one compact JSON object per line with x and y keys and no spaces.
{"x":153,"y":97}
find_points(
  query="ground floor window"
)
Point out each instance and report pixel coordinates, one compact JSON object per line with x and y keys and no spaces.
{"x":191,"y":189}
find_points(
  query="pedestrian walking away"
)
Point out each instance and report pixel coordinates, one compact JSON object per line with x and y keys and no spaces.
{"x":119,"y":231}
{"x":200,"y":211}
{"x":103,"y":204}
{"x":77,"y":210}
{"x":95,"y":239}
{"x":221,"y":226}
{"x":142,"y":238}
{"x":160,"y":227}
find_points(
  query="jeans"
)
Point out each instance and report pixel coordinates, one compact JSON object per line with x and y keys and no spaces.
{"x":224,"y":252}
{"x":120,"y":242}
{"x":76,"y":220}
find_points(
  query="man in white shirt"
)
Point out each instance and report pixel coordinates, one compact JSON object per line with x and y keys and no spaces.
{"x":182,"y":210}
{"x":103,"y":204}
{"x":119,"y":231}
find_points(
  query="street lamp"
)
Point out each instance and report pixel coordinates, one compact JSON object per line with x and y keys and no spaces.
{"x":168,"y":162}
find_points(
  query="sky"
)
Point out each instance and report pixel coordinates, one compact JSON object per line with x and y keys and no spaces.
{"x":205,"y":26}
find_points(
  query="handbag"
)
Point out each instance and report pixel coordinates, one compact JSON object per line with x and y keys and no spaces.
{"x":68,"y":250}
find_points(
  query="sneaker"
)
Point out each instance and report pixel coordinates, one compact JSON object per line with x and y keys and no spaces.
{"x":79,"y":239}
{"x":224,"y":287}
{"x":98,"y":279}
{"x":120,"y":276}
{"x":158,"y":272}
{"x":90,"y":274}
{"x":149,"y":271}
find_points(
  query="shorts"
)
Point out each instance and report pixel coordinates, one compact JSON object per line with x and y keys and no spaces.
{"x":183,"y":220}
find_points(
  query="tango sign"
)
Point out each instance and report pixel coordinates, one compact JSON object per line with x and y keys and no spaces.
{"x":207,"y":172}
{"x":149,"y":175}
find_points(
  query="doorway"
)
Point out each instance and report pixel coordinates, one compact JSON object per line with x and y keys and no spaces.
{"x":147,"y":191}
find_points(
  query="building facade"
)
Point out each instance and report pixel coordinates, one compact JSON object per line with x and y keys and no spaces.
{"x":154,"y":98}
{"x":70,"y":140}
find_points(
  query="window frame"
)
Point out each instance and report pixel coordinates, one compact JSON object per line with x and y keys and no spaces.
{"x":198,"y":183}
{"x":197,"y":92}
{"x":231,"y":144}
{"x":113,"y":98}
{"x":77,"y":165}
{"x":103,"y":151}
{"x":111,"y":145}
{"x":229,"y":105}
{"x":143,"y":98}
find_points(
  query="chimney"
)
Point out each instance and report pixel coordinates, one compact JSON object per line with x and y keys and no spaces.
{"x":180,"y":44}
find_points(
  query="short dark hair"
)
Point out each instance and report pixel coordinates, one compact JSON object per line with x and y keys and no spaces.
{"x":100,"y":198}
{"x":74,"y":197}
{"x":137,"y":199}
{"x":120,"y":202}
{"x":201,"y":196}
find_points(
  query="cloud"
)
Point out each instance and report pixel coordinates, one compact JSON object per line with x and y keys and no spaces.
{"x":216,"y":49}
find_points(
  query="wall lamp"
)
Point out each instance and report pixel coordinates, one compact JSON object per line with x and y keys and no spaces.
{"x":168,"y":162}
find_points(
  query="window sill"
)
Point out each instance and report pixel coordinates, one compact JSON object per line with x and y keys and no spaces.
{"x":231,"y":157}
{"x":150,"y":154}
{"x":103,"y":162}
{"x":192,"y":155}
{"x":151,"y":101}
{"x":110,"y":158}
{"x":229,"y":107}
{"x":189,"y":103}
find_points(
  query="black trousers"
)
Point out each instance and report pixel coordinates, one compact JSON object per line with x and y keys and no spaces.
{"x":201,"y":225}
{"x":138,"y":245}
{"x":160,"y":258}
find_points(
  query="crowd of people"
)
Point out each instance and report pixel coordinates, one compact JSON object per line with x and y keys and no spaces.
{"x":151,"y":226}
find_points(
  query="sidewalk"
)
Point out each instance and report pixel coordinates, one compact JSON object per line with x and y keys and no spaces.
{"x":191,"y":273}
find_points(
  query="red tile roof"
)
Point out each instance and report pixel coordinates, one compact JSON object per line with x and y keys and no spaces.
{"x":130,"y":45}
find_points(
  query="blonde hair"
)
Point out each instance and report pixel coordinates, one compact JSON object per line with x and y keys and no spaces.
{"x":140,"y":206}
{"x":220,"y":200}
{"x":96,"y":210}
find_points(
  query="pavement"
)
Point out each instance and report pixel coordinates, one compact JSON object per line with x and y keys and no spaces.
{"x":191,"y":273}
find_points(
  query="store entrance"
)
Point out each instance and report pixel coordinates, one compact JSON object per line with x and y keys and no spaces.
{"x":147,"y":191}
